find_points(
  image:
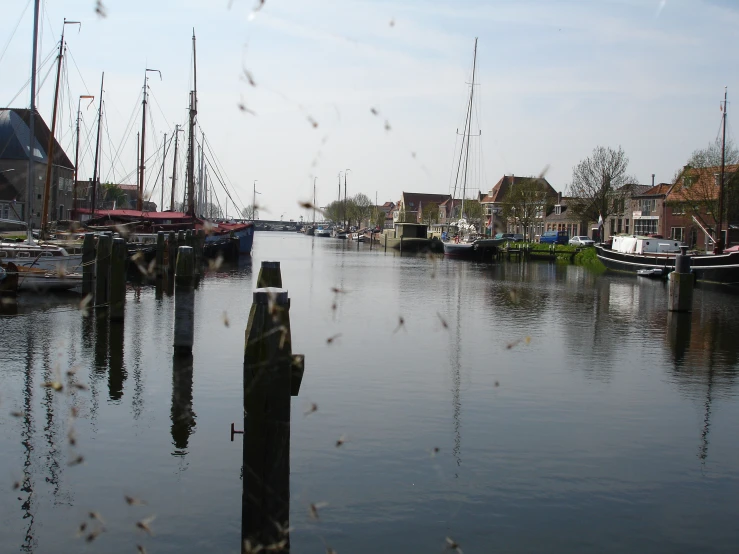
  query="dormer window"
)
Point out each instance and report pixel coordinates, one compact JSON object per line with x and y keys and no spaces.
{"x":558,"y":209}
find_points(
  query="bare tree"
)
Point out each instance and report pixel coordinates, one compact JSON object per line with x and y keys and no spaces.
{"x":430,"y":213}
{"x":248,"y":212}
{"x":600,"y":185}
{"x":334,"y":210}
{"x":473,"y":212}
{"x":711,"y":155}
{"x":362,"y":208}
{"x":525,"y":202}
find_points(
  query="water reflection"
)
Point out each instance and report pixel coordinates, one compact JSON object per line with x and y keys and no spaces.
{"x":28,"y":430}
{"x":183,"y":417}
{"x":117,"y":372}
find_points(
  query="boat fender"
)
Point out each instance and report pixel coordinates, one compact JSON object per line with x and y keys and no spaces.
{"x":474,"y":246}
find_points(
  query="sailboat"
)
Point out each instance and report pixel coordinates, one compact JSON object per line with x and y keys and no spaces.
{"x":31,"y":254}
{"x":145,"y":224}
{"x":479,"y":249}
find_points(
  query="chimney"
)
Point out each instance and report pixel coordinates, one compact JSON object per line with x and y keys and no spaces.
{"x":652,"y":179}
{"x":559,"y":198}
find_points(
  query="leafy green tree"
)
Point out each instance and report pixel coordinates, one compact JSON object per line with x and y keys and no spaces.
{"x":114,"y":193}
{"x":379,"y":218}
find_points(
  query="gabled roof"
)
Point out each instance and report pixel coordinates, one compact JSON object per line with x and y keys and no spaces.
{"x":412,"y":200}
{"x":704,"y":180}
{"x":498,"y":192}
{"x":15,"y":135}
{"x":388,"y":205}
{"x":657,"y":190}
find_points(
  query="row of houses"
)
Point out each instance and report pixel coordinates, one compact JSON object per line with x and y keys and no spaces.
{"x":683,"y":210}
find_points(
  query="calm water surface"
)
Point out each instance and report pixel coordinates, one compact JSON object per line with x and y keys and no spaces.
{"x":569,"y":412}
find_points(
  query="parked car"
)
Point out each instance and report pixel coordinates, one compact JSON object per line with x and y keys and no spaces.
{"x":555,"y":237}
{"x":581,"y":241}
{"x":513,"y":237}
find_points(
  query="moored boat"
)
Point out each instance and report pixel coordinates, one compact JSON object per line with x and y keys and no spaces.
{"x":710,"y":268}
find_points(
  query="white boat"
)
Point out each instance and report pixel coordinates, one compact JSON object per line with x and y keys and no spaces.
{"x":357,"y":237}
{"x":40,"y":256}
{"x":322,"y":232}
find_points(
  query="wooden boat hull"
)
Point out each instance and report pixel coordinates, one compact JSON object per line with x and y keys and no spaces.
{"x":33,"y":280}
{"x":708,"y":268}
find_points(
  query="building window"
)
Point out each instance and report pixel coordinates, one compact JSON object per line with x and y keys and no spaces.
{"x":645,"y":226}
{"x":678,"y":209}
{"x":620,"y":225}
{"x":648,"y":206}
{"x":557,"y":209}
{"x":677,"y":233}
{"x":626,"y":227}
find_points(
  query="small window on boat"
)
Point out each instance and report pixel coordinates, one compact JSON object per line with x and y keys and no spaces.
{"x":3,"y":254}
{"x":46,"y":254}
{"x":24,"y":255}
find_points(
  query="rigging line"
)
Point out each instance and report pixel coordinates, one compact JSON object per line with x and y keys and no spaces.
{"x":28,"y":81}
{"x":151,"y":95}
{"x":207,"y":143}
{"x":218,"y":174}
{"x":219,"y":179}
{"x":159,"y":172}
{"x":69,"y":50}
{"x":129,"y":129}
{"x":5,"y":48}
{"x":87,"y":145}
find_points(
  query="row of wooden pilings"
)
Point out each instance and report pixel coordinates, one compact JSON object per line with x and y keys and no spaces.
{"x":179,"y":259}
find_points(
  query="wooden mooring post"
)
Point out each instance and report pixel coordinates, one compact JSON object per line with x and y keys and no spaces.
{"x":102,"y":271}
{"x":88,"y":264}
{"x":118,"y":279}
{"x":269,"y":275}
{"x":272,"y":374}
{"x":184,"y":303}
{"x":161,"y":239}
{"x":681,"y":283}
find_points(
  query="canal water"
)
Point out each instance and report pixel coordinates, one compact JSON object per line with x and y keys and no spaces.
{"x":510,"y":408}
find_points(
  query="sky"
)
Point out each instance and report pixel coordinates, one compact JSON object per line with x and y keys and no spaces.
{"x":555,"y":79}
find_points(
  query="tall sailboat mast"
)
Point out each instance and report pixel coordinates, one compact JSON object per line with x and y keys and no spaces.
{"x":164,"y":159}
{"x":174,"y":166}
{"x":97,"y":149}
{"x":191,"y":147}
{"x":469,"y":126}
{"x":32,"y":127}
{"x":50,"y":148}
{"x":77,"y":149}
{"x":719,"y":238}
{"x":142,"y":157}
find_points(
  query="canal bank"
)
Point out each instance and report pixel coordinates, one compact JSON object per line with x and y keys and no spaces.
{"x":569,"y":412}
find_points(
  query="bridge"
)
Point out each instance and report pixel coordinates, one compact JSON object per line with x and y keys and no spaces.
{"x":276,"y":225}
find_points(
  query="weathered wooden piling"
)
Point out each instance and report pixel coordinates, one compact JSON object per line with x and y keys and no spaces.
{"x":681,"y":284}
{"x":118,"y":279}
{"x":266,"y":460}
{"x":88,"y":264}
{"x":269,"y":275}
{"x":184,"y":305}
{"x":102,"y":271}
{"x":385,"y":235}
{"x":401,"y":244}
{"x":161,"y":239}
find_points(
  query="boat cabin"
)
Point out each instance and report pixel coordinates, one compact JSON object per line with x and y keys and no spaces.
{"x":628,"y":244}
{"x":411,"y":230}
